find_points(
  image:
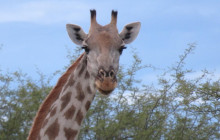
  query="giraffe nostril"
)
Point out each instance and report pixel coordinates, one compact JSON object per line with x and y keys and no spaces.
{"x":112,"y":74}
{"x":102,"y":73}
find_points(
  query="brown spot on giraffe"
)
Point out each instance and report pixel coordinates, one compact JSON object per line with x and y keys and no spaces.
{"x":53,"y":130}
{"x":89,"y":90}
{"x":70,"y":133}
{"x":65,"y":87}
{"x":81,"y":70}
{"x":53,"y":112}
{"x":45,"y":123}
{"x":65,"y":100}
{"x":87,"y":76}
{"x":88,"y":103}
{"x":70,"y":112}
{"x":79,"y":117}
{"x":80,"y":94}
{"x":71,"y":82}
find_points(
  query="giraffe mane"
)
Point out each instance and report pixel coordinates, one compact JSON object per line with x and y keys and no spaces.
{"x":51,"y":97}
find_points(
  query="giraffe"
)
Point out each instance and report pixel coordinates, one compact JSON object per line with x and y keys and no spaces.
{"x":61,"y":114}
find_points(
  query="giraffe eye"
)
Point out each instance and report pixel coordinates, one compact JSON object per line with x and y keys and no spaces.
{"x":121,"y":49}
{"x":86,"y":49}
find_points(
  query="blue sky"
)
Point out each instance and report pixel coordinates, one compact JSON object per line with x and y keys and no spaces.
{"x":33,"y":32}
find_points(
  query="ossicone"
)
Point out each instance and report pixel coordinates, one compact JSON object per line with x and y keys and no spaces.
{"x":93,"y":17}
{"x":114,"y":17}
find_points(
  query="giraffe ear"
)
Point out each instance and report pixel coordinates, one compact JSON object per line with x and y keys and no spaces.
{"x":130,"y":32}
{"x":76,"y":33}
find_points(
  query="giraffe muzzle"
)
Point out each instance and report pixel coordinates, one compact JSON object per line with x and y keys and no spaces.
{"x":106,"y":81}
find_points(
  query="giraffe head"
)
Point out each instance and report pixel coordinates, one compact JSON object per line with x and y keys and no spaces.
{"x":103,"y":46}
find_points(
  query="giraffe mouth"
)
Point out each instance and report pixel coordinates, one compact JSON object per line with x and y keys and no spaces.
{"x":104,"y":92}
{"x":106,"y":85}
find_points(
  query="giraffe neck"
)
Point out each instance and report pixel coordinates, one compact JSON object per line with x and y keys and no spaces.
{"x":65,"y":114}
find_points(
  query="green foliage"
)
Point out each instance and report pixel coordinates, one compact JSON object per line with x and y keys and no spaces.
{"x":19,"y":101}
{"x":178,"y":107}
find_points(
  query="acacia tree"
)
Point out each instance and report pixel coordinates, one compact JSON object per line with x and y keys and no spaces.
{"x":177,"y":107}
{"x":19,"y":101}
